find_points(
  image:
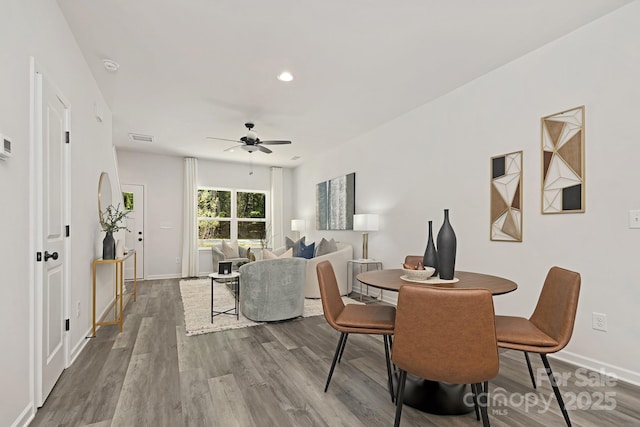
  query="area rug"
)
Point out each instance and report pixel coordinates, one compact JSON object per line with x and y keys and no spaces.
{"x":196,"y":300}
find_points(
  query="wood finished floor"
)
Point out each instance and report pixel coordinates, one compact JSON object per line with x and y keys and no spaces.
{"x":273,"y":375}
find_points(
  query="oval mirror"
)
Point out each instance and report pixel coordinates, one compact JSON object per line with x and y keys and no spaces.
{"x":104,"y":194}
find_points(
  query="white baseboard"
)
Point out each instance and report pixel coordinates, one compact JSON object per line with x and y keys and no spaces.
{"x":617,"y":372}
{"x":27,"y":415}
{"x":390,"y":297}
{"x":204,"y":273}
{"x":163,"y":276}
{"x":75,"y":351}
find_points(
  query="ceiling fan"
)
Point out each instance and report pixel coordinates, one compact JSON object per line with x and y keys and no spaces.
{"x":251,"y":142}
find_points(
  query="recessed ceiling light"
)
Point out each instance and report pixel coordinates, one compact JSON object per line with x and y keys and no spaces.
{"x":285,"y":76}
{"x":110,"y":65}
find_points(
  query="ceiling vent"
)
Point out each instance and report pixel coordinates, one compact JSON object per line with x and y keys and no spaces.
{"x":138,"y":137}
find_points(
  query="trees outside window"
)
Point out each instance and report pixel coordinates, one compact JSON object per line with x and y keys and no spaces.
{"x":225,"y":214}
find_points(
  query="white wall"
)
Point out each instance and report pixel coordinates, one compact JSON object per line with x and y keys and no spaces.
{"x":37,"y":28}
{"x":437,"y":157}
{"x":407,"y":170}
{"x":163,"y":178}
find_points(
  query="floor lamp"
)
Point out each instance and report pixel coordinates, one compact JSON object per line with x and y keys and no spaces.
{"x":365,"y":223}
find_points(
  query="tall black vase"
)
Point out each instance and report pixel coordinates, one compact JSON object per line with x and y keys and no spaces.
{"x":108,"y":246}
{"x":446,"y":248}
{"x":430,"y":258}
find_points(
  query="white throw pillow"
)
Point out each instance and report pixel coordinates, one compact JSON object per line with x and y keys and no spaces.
{"x":230,"y":250}
{"x":267,"y":254}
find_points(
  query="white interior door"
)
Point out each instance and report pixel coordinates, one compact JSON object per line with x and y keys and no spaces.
{"x":51,"y":127}
{"x":133,"y":196}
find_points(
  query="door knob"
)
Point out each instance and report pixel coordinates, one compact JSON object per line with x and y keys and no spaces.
{"x":47,"y":255}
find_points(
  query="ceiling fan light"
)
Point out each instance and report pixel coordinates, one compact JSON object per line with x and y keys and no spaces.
{"x":252,"y":135}
{"x":285,"y":76}
{"x":250,"y":148}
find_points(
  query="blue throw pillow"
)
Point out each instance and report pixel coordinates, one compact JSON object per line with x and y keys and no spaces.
{"x":306,"y":251}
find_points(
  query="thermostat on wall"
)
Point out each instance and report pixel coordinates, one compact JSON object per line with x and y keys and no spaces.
{"x":5,"y":151}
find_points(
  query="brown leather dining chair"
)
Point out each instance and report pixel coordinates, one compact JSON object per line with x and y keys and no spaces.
{"x":549,"y":328}
{"x":446,"y":335}
{"x":353,"y":319}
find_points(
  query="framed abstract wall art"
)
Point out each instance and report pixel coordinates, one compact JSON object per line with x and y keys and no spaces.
{"x":335,"y":203}
{"x":563,"y":175}
{"x":506,"y":197}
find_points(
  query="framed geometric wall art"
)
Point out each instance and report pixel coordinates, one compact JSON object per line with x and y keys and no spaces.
{"x":563,"y":175}
{"x":335,"y":203}
{"x":506,"y":197}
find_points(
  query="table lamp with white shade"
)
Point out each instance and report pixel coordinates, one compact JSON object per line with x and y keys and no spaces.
{"x":365,"y":223}
{"x":297,"y":225}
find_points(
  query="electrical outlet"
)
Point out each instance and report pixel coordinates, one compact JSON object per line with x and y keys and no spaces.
{"x":78,"y":309}
{"x":599,"y":321}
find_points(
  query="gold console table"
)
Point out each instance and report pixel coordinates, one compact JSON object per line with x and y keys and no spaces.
{"x":119,"y":302}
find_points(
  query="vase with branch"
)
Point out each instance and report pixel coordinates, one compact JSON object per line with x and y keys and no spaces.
{"x":113,"y":220}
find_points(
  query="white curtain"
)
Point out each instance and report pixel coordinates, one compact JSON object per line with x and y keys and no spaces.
{"x":277,"y":207}
{"x":190,"y":224}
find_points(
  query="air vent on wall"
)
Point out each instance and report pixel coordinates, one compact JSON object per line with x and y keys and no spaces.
{"x":137,"y":137}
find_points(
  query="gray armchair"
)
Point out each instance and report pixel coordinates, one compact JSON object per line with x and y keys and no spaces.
{"x":272,"y":289}
{"x":217,"y":256}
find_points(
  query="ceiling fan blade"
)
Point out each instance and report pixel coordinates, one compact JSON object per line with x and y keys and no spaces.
{"x":264,"y":149}
{"x":275,"y":142}
{"x":223,"y":139}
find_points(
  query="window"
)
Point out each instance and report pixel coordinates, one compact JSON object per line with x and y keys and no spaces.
{"x":128,"y":200}
{"x":231,"y":215}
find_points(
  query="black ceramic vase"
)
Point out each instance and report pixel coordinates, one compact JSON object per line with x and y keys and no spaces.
{"x":108,"y":246}
{"x":446,"y":249}
{"x":430,"y":258}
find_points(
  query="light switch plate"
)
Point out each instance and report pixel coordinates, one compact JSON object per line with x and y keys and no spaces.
{"x":634,"y":219}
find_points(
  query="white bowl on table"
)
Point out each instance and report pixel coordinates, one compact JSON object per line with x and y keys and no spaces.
{"x":419,"y":274}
